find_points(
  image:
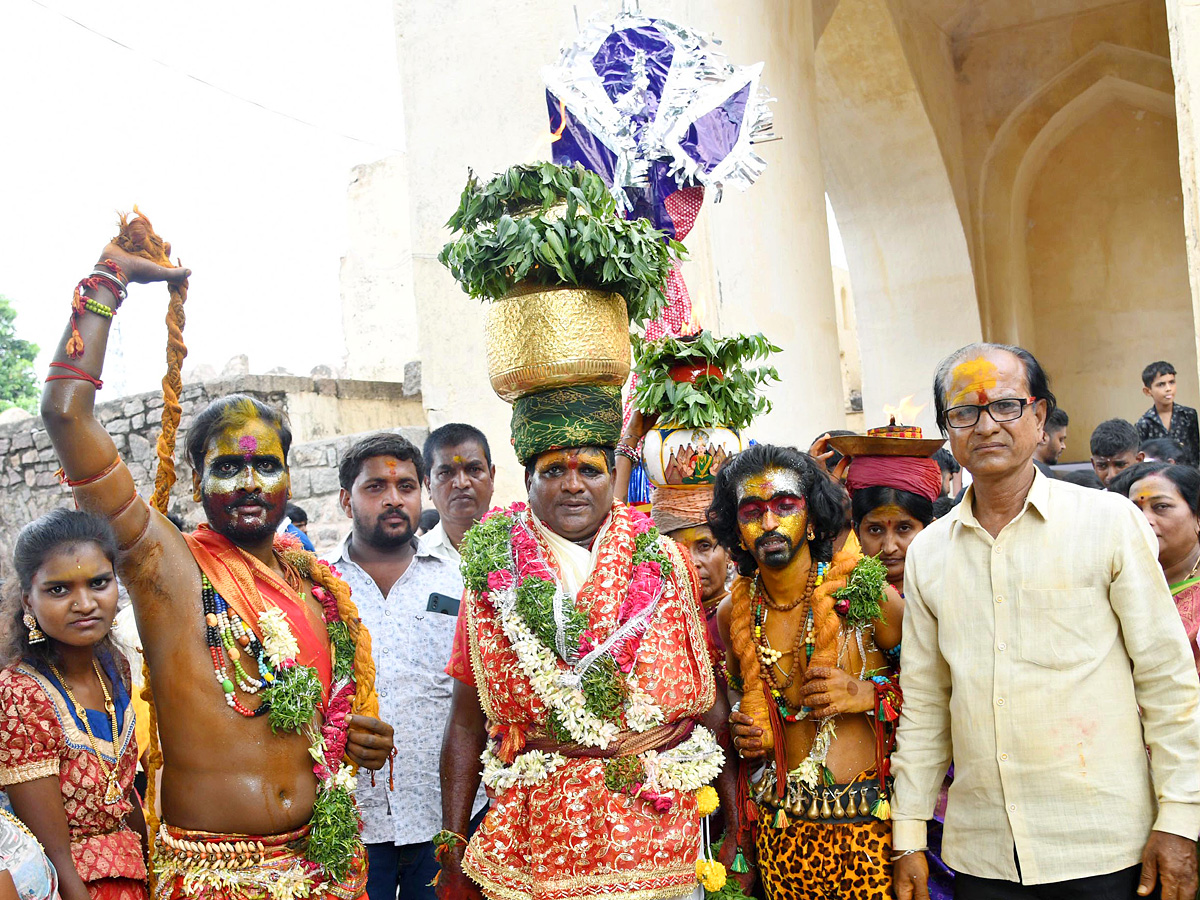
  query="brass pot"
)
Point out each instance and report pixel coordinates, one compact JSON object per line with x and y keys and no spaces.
{"x":543,"y":336}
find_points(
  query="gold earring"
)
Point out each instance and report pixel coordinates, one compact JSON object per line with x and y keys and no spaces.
{"x":36,"y":635}
{"x":811,"y":534}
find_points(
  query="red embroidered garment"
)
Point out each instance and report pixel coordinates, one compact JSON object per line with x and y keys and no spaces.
{"x":39,"y":738}
{"x":567,"y":835}
{"x":249,"y":587}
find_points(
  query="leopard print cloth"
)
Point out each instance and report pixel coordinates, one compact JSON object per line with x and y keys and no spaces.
{"x":821,"y":861}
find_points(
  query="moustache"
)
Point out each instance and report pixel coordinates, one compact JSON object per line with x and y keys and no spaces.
{"x":252,"y":500}
{"x":773,"y":536}
{"x":395,"y":514}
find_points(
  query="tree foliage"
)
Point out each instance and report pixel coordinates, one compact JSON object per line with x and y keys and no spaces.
{"x":18,"y":383}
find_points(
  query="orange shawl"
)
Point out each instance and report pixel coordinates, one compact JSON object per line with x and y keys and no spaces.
{"x":250,"y":588}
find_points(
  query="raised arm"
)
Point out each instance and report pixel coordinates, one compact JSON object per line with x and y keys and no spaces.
{"x":101,"y":482}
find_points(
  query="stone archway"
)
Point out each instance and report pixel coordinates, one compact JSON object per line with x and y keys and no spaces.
{"x":1107,"y":73}
{"x":1080,"y":237}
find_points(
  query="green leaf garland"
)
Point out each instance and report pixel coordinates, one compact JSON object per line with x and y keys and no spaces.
{"x":294,"y":696}
{"x":486,"y":548}
{"x":864,"y":590}
{"x":343,"y":650}
{"x":334,"y":834}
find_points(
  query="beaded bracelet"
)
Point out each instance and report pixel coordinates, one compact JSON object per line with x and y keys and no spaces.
{"x":628,"y":452}
{"x":95,"y":306}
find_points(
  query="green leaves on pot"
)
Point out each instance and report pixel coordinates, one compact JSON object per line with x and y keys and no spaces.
{"x":554,"y":225}
{"x":732,"y":399}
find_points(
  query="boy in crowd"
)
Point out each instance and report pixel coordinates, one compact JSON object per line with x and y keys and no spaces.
{"x":1054,"y":442}
{"x":1115,"y":447}
{"x":1166,"y":418}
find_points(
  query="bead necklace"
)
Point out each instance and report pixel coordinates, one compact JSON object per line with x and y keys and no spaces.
{"x":112,"y":793}
{"x":226,"y":634}
{"x":805,"y":635}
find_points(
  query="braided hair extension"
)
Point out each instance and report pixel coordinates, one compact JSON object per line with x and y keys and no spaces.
{"x":138,"y":238}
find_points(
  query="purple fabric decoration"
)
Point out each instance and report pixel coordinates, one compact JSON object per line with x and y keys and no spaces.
{"x":711,"y":137}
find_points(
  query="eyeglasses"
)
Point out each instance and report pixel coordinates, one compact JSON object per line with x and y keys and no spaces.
{"x":1004,"y":410}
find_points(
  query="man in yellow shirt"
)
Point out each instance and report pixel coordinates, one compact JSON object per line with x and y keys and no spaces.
{"x":1037,"y":622}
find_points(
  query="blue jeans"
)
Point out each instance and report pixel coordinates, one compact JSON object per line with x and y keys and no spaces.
{"x":401,"y":870}
{"x":405,"y":870}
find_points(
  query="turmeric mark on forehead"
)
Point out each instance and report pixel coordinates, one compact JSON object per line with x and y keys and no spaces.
{"x":972,"y":377}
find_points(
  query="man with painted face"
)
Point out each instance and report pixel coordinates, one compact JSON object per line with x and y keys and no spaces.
{"x":1042,"y":651}
{"x":581,"y":649}
{"x":802,"y":660}
{"x":231,"y":601}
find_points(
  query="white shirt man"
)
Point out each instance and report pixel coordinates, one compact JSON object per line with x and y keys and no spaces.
{"x":1037,"y":622}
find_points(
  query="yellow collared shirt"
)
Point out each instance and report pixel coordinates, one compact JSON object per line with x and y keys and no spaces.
{"x":1025,"y":660}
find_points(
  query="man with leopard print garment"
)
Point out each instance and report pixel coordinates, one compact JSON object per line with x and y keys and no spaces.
{"x":814,"y":706}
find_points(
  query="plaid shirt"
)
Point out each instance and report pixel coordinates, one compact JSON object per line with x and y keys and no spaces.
{"x":1183,"y":430}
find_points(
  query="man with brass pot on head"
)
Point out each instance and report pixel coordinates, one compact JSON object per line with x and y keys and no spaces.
{"x":583,"y":681}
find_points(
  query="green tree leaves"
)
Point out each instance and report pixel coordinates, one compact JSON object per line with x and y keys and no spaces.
{"x":18,"y":383}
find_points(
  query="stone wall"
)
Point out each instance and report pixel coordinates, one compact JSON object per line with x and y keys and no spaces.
{"x":326,"y":416}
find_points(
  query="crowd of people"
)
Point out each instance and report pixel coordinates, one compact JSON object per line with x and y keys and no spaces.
{"x":867,"y":678}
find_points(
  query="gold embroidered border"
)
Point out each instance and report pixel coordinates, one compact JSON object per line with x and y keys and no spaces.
{"x":506,"y":883}
{"x":73,"y":735}
{"x":697,"y":628}
{"x":29,"y":771}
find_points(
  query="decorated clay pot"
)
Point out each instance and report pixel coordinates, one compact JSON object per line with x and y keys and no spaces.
{"x":687,"y":457}
{"x":540,"y":337}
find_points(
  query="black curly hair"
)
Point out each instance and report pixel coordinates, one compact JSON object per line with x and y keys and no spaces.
{"x":825,"y":498}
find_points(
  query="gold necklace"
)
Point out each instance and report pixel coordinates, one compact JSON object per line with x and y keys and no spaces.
{"x":112,"y":794}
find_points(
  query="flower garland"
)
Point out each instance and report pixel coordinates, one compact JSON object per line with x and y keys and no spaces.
{"x":503,"y":562}
{"x":526,"y":769}
{"x":291,"y":698}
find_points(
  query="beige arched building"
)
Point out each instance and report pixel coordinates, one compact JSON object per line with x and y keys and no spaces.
{"x":1005,"y":169}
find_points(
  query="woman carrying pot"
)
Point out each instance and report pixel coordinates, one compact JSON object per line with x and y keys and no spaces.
{"x":891,"y":499}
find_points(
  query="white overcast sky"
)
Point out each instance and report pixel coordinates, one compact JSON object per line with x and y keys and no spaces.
{"x":254,"y":202}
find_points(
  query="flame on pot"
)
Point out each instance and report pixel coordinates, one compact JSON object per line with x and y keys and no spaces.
{"x":904,"y":413}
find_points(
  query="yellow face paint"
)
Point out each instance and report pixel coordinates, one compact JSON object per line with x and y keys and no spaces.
{"x":771,"y":502}
{"x":971,"y":380}
{"x":890,"y":511}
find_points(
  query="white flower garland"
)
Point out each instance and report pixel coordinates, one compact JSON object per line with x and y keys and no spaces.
{"x":278,"y":642}
{"x":526,"y":769}
{"x":688,"y":767}
{"x":554,"y":687}
{"x":642,"y":713}
{"x":809,"y":772}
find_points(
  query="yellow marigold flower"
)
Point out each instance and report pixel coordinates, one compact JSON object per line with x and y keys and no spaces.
{"x":711,"y":874}
{"x":707,"y":801}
